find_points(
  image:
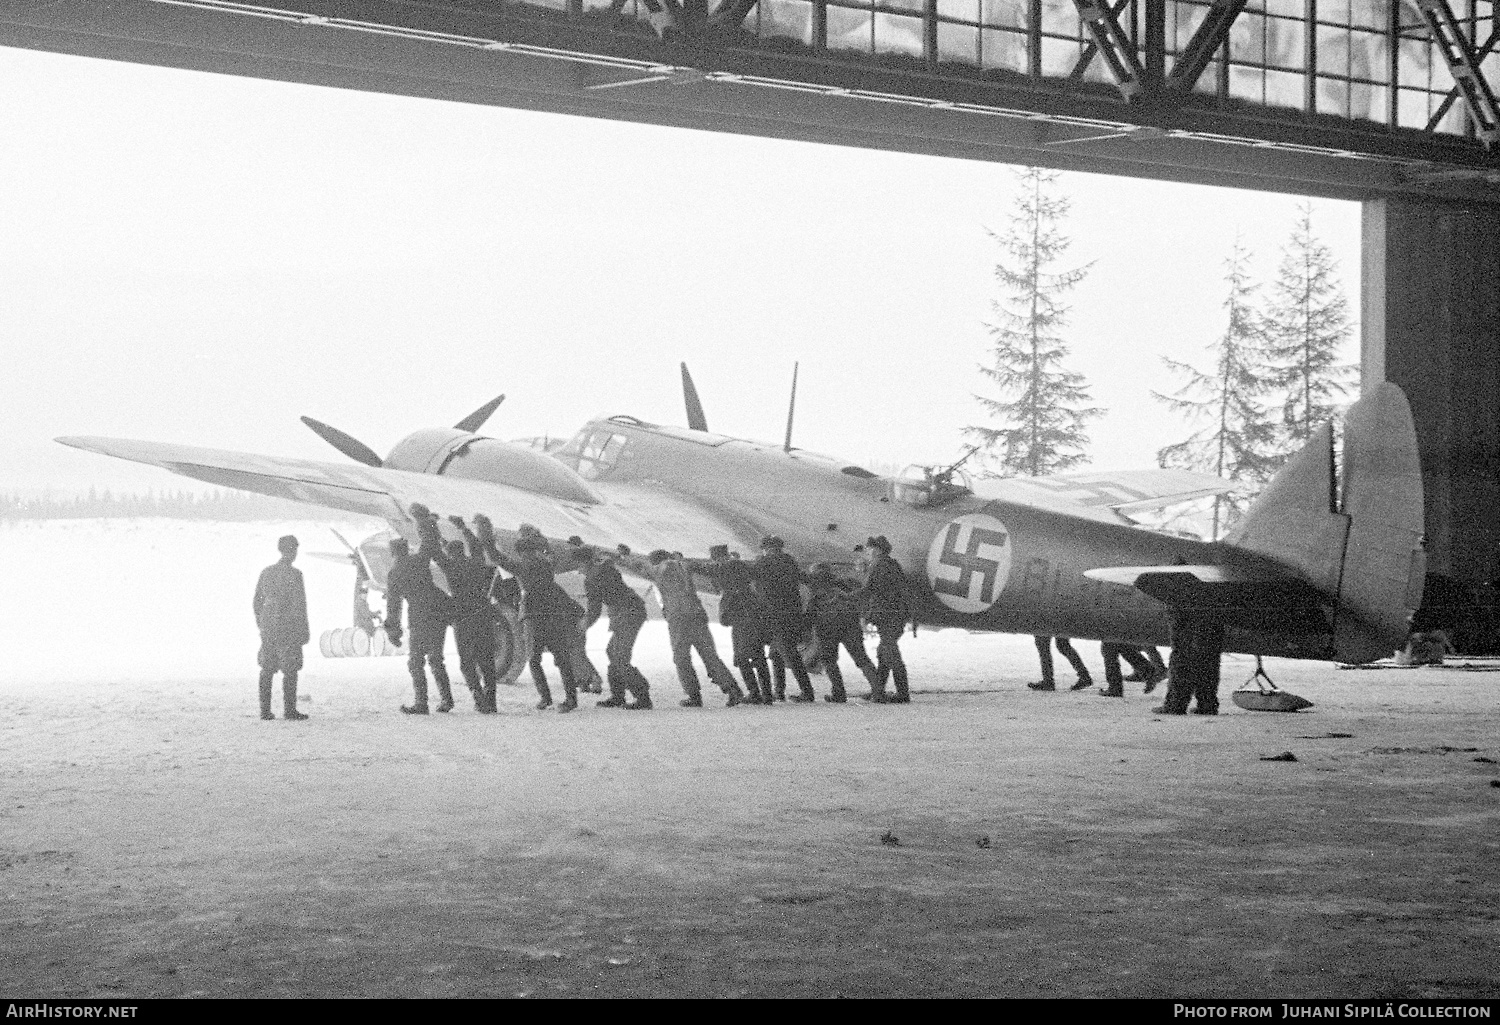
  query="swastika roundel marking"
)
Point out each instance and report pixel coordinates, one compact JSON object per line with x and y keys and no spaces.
{"x":969,"y":562}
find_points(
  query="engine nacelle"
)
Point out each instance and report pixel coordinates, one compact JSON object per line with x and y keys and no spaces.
{"x":455,"y":453}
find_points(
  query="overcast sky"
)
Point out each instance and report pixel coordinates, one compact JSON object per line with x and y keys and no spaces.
{"x":200,"y":258}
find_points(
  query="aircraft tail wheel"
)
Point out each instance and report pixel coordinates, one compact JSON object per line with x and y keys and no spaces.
{"x":360,"y":642}
{"x":346,"y":641}
{"x":512,"y":646}
{"x":325,"y":644}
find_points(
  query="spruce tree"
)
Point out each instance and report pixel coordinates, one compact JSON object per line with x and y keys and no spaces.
{"x":1043,"y":409}
{"x":1308,"y":326}
{"x":1238,"y":438}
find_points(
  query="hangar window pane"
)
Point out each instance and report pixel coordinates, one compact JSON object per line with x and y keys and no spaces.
{"x":786,"y":19}
{"x":1375,"y":15}
{"x":1333,"y":96}
{"x":1059,"y":56}
{"x":1208,"y":82}
{"x":1247,"y":39}
{"x":1334,"y":10}
{"x":1369,"y":56}
{"x":901,"y":5}
{"x":958,"y":43}
{"x":1287,"y":8}
{"x":850,"y":29}
{"x":1411,"y":108}
{"x":1286,"y":44}
{"x":1246,"y":83}
{"x":1006,"y":13}
{"x":897,"y":34}
{"x":1061,"y":17}
{"x":1001,"y":49}
{"x":1284,"y":88}
{"x":1367,"y":101}
{"x":962,"y":10}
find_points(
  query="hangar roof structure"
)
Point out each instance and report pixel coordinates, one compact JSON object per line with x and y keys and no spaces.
{"x":1349,"y":99}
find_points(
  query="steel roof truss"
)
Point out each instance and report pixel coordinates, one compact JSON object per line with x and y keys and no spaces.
{"x":1116,"y":49}
{"x":1463,"y":64}
{"x":1212,"y":33}
{"x":1479,"y":56}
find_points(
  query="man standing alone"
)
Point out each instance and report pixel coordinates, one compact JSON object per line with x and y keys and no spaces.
{"x":281,"y":613}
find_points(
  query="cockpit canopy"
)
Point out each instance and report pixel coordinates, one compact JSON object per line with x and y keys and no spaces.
{"x":930,"y":485}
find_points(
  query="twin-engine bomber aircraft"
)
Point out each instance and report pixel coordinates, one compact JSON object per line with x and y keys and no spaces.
{"x":1323,"y":566}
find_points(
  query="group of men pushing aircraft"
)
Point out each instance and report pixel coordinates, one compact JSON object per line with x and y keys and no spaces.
{"x":760,"y":601}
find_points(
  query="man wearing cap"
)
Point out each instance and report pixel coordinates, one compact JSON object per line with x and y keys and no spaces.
{"x":887,"y":605}
{"x":835,"y":613}
{"x":607,"y":590}
{"x":429,"y":610}
{"x":281,"y":614}
{"x":687,"y":629}
{"x":553,"y":615}
{"x":780,"y":583}
{"x":748,"y":619}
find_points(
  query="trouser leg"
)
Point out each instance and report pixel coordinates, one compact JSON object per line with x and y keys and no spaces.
{"x":1065,"y":649}
{"x":853,"y":640}
{"x":1114,"y":681}
{"x":828,"y":654}
{"x":784,"y":635}
{"x":778,"y":672}
{"x":679,"y":636}
{"x":440,"y":677}
{"x":267,"y":678}
{"x":1044,"y":655}
{"x":416,"y":665}
{"x":288,"y":692}
{"x":701,"y":639}
{"x":1197,"y":643}
{"x":891,"y":661}
{"x":560,"y":638}
{"x":1140,"y":665}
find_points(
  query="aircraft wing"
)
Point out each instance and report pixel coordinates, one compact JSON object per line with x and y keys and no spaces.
{"x":1107,"y":497}
{"x":643,"y":518}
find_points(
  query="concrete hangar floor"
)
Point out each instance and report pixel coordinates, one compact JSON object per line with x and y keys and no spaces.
{"x":157,"y":839}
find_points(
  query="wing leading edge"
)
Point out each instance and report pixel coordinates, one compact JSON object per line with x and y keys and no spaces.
{"x":641,"y":518}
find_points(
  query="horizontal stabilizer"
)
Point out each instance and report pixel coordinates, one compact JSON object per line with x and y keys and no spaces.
{"x":1107,"y":497}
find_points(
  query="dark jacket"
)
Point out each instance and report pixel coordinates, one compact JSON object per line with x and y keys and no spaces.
{"x":780,"y":583}
{"x":469,"y":577}
{"x":281,"y":605}
{"x":832,"y":606}
{"x":885,"y":597}
{"x":606,"y":589}
{"x":410,"y":580}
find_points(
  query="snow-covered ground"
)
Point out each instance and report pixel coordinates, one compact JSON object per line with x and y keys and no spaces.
{"x":157,"y":838}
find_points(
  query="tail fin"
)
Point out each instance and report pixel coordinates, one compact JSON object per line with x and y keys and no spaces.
{"x":1363,"y":553}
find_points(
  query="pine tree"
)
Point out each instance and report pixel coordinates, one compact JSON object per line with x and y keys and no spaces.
{"x":1043,"y":408}
{"x":1238,"y":441}
{"x":1309,"y":325}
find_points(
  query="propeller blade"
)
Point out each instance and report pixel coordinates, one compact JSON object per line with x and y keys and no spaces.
{"x":476,"y":419}
{"x":355,"y":555}
{"x":351,"y":447}
{"x":790,"y":410}
{"x":696,"y":420}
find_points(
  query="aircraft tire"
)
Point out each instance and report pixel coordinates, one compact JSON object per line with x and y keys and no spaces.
{"x":512,"y":646}
{"x":325,"y":644}
{"x":360,"y":642}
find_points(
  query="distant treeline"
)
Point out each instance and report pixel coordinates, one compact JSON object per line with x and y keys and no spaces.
{"x":178,"y":505}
